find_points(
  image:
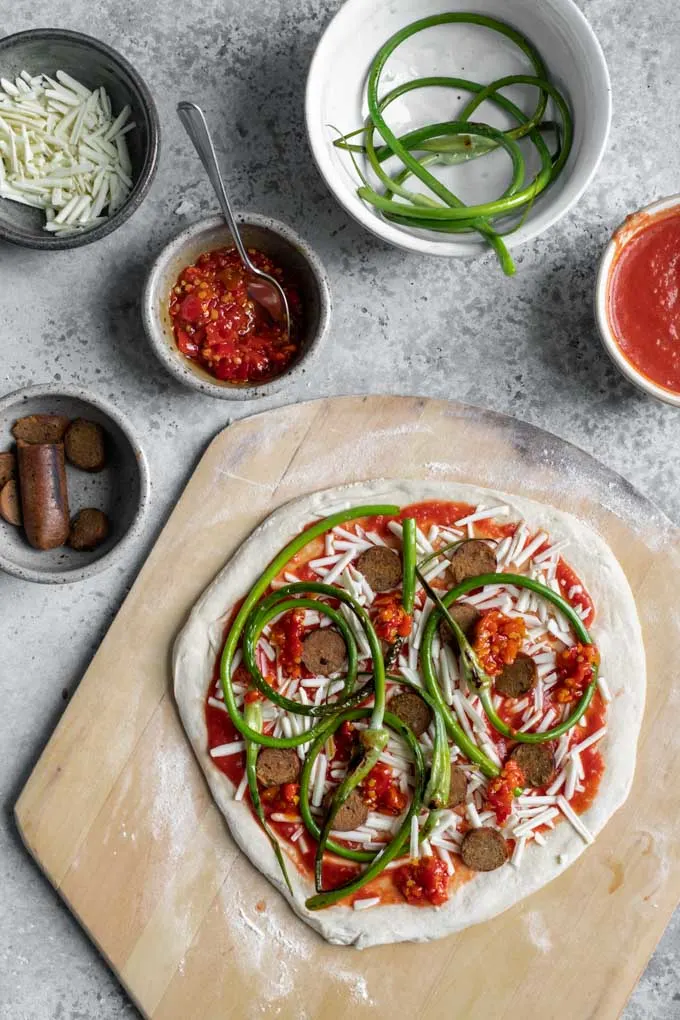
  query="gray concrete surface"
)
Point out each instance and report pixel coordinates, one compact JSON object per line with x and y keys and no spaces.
{"x":402,"y":324}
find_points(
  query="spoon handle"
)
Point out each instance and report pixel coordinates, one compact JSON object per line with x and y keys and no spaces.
{"x":196,"y":127}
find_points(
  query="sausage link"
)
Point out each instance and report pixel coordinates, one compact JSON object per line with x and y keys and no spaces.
{"x":44,"y":499}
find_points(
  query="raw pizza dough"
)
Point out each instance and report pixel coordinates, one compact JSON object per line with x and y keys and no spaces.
{"x":616,"y":631}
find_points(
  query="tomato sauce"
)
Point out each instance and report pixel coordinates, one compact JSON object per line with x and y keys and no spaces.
{"x":219,"y":326}
{"x":390,"y":619}
{"x":500,"y":793}
{"x":437,"y":512}
{"x":445,"y":514}
{"x":574,"y":668}
{"x":644,"y":299}
{"x":568,"y":581}
{"x":381,"y":791}
{"x":221,"y":730}
{"x":591,"y":758}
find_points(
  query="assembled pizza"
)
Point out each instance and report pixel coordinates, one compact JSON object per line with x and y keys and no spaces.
{"x":414,"y":703}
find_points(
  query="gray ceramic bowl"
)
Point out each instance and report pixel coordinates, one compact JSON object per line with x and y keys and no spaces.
{"x":273,"y":238}
{"x":121,"y":489}
{"x":93,"y":63}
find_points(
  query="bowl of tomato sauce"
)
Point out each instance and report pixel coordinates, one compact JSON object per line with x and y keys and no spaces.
{"x":637,"y":299}
{"x":206,"y":329}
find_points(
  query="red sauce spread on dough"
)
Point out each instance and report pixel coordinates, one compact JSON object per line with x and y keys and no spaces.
{"x":218,"y":325}
{"x":286,"y":635}
{"x":591,"y":758}
{"x":644,"y":298}
{"x":569,"y":582}
{"x":445,"y":514}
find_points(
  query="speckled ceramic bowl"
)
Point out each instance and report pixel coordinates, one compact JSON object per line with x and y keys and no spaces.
{"x":93,"y":63}
{"x":273,"y":238}
{"x":121,"y":489}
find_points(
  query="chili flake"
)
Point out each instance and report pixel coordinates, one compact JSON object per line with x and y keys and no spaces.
{"x":217,"y":324}
{"x":500,"y":791}
{"x":381,"y":791}
{"x":575,"y":671}
{"x":286,"y":635}
{"x":498,"y":639}
{"x":391,"y":621}
{"x":423,"y":881}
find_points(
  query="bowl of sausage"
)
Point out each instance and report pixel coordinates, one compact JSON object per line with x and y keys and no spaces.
{"x":74,"y":485}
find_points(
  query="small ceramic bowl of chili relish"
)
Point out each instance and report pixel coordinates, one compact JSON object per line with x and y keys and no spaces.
{"x":205,"y":328}
{"x":637,"y":299}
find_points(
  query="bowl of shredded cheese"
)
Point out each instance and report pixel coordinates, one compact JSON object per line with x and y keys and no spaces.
{"x":79,"y":139}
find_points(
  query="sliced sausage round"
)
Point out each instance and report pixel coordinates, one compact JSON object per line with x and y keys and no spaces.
{"x":277,"y":765}
{"x":518,"y":678}
{"x":353,"y":813}
{"x":458,"y":787}
{"x":324,"y":651}
{"x":89,"y":528}
{"x":466,"y":617}
{"x":40,"y":428}
{"x":10,"y":506}
{"x":536,"y":762}
{"x":412,"y":710}
{"x":381,"y":567}
{"x":484,"y":849}
{"x":471,"y":559}
{"x":8,"y":468}
{"x":85,"y":445}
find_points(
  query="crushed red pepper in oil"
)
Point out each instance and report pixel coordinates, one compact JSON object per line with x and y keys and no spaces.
{"x":217,"y":324}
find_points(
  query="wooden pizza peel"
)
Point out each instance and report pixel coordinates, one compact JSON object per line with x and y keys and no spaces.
{"x":118,"y":815}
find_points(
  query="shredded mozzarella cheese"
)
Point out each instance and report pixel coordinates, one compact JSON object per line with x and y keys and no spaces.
{"x":61,"y":150}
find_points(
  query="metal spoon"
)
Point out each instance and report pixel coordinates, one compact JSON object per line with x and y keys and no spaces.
{"x":262,"y":287}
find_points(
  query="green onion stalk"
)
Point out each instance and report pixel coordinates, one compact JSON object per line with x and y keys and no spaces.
{"x":408,"y":596}
{"x":236,"y":631}
{"x":253,"y":617}
{"x":475,"y":672}
{"x":408,"y":550}
{"x":395,"y":847}
{"x":253,"y":715}
{"x":457,"y":141}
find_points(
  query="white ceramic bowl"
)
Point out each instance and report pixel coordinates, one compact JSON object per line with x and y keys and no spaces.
{"x":336,"y":96}
{"x":621,"y":236}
